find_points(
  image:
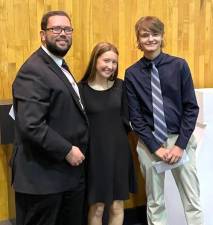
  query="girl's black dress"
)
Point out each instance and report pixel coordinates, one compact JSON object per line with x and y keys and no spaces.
{"x":110,"y":172}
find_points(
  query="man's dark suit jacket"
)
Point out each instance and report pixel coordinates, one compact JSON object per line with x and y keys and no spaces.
{"x":49,"y":120}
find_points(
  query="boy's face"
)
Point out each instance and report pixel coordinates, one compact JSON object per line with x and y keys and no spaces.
{"x":150,"y":42}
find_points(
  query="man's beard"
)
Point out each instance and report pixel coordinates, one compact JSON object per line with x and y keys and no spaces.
{"x":57,"y":51}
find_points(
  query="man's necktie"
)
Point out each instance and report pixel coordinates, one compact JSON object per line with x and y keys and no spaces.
{"x":65,"y":66}
{"x":160,"y":127}
{"x":70,"y":77}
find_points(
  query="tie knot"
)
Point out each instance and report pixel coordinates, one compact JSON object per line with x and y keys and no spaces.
{"x":64,"y":65}
{"x":153,"y":64}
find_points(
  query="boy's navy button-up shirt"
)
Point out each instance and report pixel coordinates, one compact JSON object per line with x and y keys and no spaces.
{"x":180,"y":105}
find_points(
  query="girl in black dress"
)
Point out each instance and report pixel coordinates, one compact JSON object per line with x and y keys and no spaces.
{"x":110,"y":173}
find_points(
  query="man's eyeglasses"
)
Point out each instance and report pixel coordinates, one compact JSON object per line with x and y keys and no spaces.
{"x":58,"y":30}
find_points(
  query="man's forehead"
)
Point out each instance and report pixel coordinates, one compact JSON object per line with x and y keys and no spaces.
{"x":58,"y":19}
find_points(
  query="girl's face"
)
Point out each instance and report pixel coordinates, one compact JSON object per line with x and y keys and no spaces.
{"x":107,"y":64}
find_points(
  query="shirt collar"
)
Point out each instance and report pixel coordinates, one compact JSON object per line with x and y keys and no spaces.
{"x":56,"y":59}
{"x":146,"y":63}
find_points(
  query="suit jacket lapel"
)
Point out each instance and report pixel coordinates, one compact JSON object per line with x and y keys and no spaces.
{"x":55,"y":68}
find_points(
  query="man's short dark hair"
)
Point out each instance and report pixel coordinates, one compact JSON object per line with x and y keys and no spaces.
{"x":46,"y":16}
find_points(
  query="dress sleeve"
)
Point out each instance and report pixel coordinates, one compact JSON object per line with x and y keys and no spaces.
{"x":125,"y":110}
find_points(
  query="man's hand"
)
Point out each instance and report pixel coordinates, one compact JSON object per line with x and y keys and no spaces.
{"x":162,"y":153}
{"x":75,"y":156}
{"x":175,"y":154}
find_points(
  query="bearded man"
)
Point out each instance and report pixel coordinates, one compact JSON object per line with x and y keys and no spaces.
{"x":51,"y":132}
